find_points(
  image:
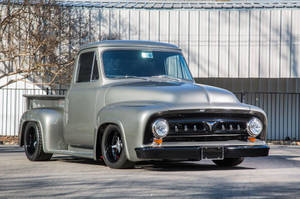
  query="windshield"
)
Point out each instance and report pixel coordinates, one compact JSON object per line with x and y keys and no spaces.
{"x":142,"y":63}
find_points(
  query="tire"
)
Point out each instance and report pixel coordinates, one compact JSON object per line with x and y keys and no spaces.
{"x":113,"y":149}
{"x":228,"y":162}
{"x":33,"y":144}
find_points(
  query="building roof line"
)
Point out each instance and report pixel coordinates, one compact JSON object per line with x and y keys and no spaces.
{"x":183,"y":4}
{"x":178,"y":4}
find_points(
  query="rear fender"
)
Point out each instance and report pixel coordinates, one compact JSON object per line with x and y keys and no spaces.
{"x":50,"y":121}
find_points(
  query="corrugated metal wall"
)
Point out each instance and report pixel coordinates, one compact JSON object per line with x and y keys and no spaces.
{"x":282,"y":110}
{"x":11,"y":108}
{"x":250,"y":43}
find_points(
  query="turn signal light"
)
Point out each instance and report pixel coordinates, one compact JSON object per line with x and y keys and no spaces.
{"x":157,"y":142}
{"x":251,"y":139}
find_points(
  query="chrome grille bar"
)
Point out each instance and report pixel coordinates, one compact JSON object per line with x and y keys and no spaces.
{"x":207,"y":126}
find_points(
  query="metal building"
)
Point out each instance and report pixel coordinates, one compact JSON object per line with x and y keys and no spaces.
{"x":251,"y":48}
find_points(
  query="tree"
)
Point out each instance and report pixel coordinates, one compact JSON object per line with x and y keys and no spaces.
{"x":39,"y":41}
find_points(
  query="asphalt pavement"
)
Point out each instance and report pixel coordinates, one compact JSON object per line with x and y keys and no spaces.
{"x":276,"y":176}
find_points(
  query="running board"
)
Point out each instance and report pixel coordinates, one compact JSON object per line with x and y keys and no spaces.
{"x":78,"y":152}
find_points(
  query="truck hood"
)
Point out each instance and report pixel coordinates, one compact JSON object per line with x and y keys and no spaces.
{"x":173,"y":93}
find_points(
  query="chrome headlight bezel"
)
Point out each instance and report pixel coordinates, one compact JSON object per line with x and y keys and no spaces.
{"x":254,"y":127}
{"x":160,"y":128}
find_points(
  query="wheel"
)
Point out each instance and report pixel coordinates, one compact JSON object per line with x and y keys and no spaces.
{"x":33,"y":145}
{"x":228,"y":162}
{"x":113,"y":149}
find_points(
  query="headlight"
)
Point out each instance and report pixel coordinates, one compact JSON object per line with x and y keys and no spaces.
{"x":254,"y":126}
{"x":160,"y":128}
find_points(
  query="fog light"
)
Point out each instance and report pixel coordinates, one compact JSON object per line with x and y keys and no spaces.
{"x":254,"y":127}
{"x":160,"y":128}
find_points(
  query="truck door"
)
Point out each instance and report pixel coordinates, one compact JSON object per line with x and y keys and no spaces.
{"x":80,"y":104}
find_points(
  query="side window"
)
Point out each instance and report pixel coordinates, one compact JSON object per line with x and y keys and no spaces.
{"x":88,"y":66}
{"x":85,"y":66}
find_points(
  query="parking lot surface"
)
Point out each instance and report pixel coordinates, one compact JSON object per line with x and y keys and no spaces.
{"x":276,"y":176}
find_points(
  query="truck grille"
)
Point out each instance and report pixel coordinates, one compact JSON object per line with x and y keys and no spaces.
{"x":202,"y":127}
{"x":206,"y":126}
{"x":206,"y":130}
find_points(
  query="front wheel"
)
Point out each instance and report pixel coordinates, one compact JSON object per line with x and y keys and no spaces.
{"x":33,"y":145}
{"x":113,"y":149}
{"x":228,"y":162}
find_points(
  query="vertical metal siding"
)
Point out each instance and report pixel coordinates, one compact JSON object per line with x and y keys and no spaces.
{"x":282,"y":110}
{"x":203,"y":62}
{"x":217,"y":43}
{"x":11,"y":108}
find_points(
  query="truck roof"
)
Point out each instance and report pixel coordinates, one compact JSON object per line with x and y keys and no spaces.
{"x":128,"y":43}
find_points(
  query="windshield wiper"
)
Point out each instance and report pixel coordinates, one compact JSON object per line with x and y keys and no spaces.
{"x":128,"y":77}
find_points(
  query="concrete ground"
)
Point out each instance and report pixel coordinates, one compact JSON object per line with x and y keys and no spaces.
{"x":276,"y":176}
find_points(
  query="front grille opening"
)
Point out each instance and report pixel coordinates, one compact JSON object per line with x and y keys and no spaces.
{"x":202,"y":127}
{"x":230,"y":127}
{"x":190,"y":128}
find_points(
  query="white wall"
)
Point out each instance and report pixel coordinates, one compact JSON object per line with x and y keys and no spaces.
{"x":12,"y":104}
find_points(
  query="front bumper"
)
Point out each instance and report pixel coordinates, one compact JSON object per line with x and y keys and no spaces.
{"x":201,"y":152}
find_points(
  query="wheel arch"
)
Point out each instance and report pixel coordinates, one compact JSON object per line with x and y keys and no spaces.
{"x":22,"y":130}
{"x":99,"y":135}
{"x":21,"y":133}
{"x":100,"y":131}
{"x":130,"y":119}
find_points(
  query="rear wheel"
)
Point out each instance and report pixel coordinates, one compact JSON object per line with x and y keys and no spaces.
{"x":228,"y":162}
{"x":33,"y":145}
{"x":113,"y":149}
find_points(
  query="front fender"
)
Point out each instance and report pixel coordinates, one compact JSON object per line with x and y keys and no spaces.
{"x":132,"y":119}
{"x":50,"y":121}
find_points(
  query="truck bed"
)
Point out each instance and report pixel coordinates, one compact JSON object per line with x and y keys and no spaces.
{"x":40,"y":101}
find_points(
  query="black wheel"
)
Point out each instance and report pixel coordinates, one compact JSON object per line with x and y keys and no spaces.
{"x":113,"y":149}
{"x":33,"y":143}
{"x":228,"y":162}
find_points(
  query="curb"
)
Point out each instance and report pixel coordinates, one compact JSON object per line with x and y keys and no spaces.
{"x":297,"y":143}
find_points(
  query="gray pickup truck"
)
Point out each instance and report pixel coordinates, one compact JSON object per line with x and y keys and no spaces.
{"x":133,"y":101}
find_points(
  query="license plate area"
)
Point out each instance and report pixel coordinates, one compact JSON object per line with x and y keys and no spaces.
{"x":212,"y":153}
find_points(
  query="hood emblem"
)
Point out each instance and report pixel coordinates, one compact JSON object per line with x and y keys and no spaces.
{"x":210,"y":125}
